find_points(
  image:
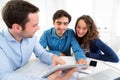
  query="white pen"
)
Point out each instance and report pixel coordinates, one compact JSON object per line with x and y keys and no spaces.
{"x":83,"y":72}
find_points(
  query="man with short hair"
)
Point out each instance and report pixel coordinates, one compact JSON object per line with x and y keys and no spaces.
{"x":18,"y":42}
{"x":60,"y":39}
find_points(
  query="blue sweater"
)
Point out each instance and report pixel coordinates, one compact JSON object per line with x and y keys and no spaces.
{"x":64,"y":44}
{"x":96,"y":49}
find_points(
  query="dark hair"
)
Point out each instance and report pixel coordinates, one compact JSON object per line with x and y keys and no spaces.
{"x":61,"y":13}
{"x":16,"y":11}
{"x":92,"y":31}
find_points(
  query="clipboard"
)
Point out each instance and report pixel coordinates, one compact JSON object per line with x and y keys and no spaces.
{"x":64,"y":68}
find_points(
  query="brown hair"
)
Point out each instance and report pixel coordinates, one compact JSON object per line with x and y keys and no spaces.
{"x":61,"y":13}
{"x":16,"y":11}
{"x":92,"y":32}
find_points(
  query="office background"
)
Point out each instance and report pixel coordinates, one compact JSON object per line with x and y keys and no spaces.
{"x":106,"y":14}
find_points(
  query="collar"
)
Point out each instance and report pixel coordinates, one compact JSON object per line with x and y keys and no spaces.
{"x":55,"y":35}
{"x":7,"y":35}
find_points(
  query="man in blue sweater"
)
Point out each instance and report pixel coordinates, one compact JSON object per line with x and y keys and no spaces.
{"x":60,"y":39}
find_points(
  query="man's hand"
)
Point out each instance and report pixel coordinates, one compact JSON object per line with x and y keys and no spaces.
{"x":57,"y":60}
{"x":81,"y":61}
{"x":66,"y":76}
{"x":61,"y":54}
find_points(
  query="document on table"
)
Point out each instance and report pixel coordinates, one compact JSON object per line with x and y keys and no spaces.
{"x":37,"y":68}
{"x":64,"y":68}
{"x":34,"y":67}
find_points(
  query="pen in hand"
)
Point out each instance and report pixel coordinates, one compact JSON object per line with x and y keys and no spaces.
{"x":84,"y":72}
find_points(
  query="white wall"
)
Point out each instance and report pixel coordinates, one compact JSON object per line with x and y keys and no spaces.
{"x":2,"y":24}
{"x":104,"y":13}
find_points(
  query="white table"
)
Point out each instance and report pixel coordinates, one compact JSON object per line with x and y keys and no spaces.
{"x":99,"y":68}
{"x":36,"y":68}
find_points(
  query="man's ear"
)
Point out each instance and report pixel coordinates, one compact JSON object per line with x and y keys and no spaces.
{"x":16,"y":27}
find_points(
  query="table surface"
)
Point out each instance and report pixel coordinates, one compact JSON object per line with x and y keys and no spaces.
{"x":37,"y":68}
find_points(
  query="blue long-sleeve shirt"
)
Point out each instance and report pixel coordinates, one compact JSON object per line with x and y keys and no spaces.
{"x":57,"y":45}
{"x":99,"y":50}
{"x":14,"y":55}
